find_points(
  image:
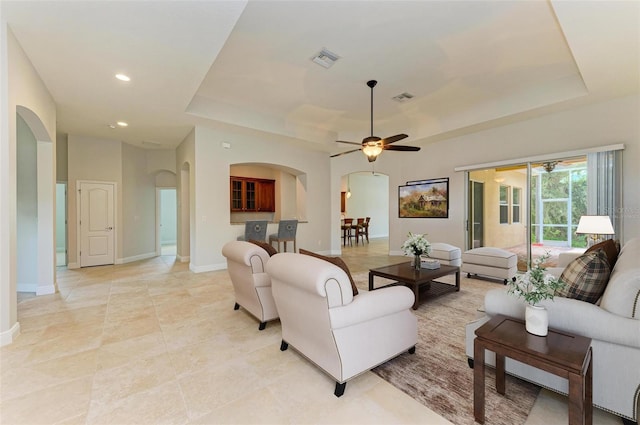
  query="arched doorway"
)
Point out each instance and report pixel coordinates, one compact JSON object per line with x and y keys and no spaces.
{"x":184,"y":214}
{"x":35,"y":206}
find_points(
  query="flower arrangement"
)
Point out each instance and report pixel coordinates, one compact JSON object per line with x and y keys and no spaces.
{"x":416,"y":245}
{"x":536,"y":285}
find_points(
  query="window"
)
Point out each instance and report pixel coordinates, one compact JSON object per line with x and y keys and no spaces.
{"x":504,"y":204}
{"x":516,"y":195}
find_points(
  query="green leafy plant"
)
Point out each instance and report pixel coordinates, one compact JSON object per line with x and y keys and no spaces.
{"x":536,"y":285}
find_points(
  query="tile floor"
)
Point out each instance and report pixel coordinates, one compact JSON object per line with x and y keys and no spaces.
{"x":151,"y":342}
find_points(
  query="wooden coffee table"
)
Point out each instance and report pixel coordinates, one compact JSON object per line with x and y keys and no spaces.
{"x":418,"y":280}
{"x":560,"y":353}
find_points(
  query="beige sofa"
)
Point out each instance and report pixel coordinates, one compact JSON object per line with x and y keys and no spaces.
{"x":613,"y":325}
{"x":251,"y":284}
{"x":343,"y":334}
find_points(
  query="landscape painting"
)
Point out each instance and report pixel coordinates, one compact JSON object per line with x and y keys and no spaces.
{"x":424,"y":199}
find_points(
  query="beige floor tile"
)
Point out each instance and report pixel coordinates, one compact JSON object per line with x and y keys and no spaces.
{"x":136,"y":376}
{"x":162,"y":404}
{"x":206,"y":391}
{"x":50,"y":405}
{"x":151,"y":342}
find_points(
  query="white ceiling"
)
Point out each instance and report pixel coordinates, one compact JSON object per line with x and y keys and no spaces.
{"x":470,"y":64}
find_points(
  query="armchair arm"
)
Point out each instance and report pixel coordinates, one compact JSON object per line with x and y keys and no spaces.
{"x":573,"y":316}
{"x":372,"y":305}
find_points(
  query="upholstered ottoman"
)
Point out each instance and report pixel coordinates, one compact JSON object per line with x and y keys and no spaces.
{"x":491,"y":262}
{"x":446,"y":254}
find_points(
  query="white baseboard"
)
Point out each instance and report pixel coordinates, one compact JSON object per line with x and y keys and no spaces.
{"x":7,"y":337}
{"x":135,"y":258}
{"x":182,"y":259}
{"x":73,"y":266}
{"x":207,"y":268}
{"x":45,"y":289}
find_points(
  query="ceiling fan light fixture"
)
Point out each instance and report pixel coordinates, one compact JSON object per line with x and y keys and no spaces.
{"x":372,"y":150}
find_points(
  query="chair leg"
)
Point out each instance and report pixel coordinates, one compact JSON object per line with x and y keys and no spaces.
{"x":236,"y":307}
{"x":340,"y":389}
{"x":262,"y":326}
{"x":283,"y":346}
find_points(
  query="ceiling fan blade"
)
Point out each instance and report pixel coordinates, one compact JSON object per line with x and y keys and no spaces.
{"x":344,"y":153}
{"x":401,"y":148}
{"x":393,"y":139}
{"x":349,"y":143}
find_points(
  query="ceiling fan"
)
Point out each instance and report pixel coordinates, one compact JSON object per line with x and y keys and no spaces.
{"x":373,"y":146}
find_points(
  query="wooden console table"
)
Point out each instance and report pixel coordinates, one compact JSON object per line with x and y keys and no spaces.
{"x":560,"y":353}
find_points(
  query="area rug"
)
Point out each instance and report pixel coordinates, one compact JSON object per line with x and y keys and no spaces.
{"x":438,"y":375}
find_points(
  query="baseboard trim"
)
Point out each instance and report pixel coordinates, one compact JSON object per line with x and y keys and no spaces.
{"x":135,"y":258}
{"x":73,"y":266}
{"x":7,"y":337}
{"x":45,"y":289}
{"x":207,"y":268}
{"x":182,"y":259}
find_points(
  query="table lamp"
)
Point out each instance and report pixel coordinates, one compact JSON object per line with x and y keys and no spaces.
{"x":594,"y":226}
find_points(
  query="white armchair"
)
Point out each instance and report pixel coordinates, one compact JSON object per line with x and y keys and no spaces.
{"x":251,"y":284}
{"x":342,"y":334}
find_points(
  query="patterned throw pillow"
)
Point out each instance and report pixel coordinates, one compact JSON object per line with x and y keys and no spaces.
{"x":267,"y":247}
{"x":586,"y":277}
{"x":335,"y":261}
{"x":610,"y":249}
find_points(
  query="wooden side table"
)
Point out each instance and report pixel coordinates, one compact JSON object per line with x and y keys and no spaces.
{"x":560,"y":353}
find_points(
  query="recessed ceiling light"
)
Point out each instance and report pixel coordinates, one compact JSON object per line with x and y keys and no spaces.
{"x":111,"y":126}
{"x":123,"y":77}
{"x":122,"y":123}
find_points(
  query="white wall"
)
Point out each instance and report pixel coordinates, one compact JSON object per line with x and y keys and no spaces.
{"x":212,"y":216}
{"x":606,"y":123}
{"x":26,"y":208}
{"x":61,"y":158}
{"x":92,"y":159}
{"x":138,"y":206}
{"x":168,"y":214}
{"x":185,"y":168}
{"x":20,"y":86}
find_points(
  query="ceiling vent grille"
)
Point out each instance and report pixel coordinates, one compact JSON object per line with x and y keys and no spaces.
{"x":403,"y":97}
{"x":325,"y":58}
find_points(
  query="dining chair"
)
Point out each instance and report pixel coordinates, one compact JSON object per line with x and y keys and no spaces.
{"x":358,"y":230}
{"x":254,"y":230}
{"x":365,"y":229}
{"x":286,"y":233}
{"x":347,"y":227}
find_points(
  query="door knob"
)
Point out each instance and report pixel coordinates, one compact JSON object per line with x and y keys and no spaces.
{"x":109,"y":228}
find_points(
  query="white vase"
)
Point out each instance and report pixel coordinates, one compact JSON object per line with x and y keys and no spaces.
{"x":537,"y":320}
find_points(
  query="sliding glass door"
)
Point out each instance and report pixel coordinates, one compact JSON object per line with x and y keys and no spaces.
{"x":530,"y":209}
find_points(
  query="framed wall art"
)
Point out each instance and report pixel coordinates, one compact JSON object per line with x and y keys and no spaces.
{"x":424,"y":199}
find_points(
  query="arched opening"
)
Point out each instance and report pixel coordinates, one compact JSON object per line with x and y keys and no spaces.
{"x":368,"y":196}
{"x":166,"y":213}
{"x":35,"y":206}
{"x":289,"y":194}
{"x":184,"y":227}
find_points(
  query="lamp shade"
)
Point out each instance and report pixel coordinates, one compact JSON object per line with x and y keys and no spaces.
{"x":595,"y":224}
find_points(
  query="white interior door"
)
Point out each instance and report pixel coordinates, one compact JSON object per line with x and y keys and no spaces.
{"x":96,"y":224}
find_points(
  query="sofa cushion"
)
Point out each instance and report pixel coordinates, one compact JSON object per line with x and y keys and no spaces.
{"x":610,"y":249}
{"x":622,"y":295}
{"x":586,"y":277}
{"x":335,"y":261}
{"x":267,"y":247}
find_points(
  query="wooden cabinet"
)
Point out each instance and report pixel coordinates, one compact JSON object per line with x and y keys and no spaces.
{"x":250,"y":194}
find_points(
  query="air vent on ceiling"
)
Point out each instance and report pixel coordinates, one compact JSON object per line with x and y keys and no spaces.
{"x":403,"y":97}
{"x":325,"y":58}
{"x":154,"y":144}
